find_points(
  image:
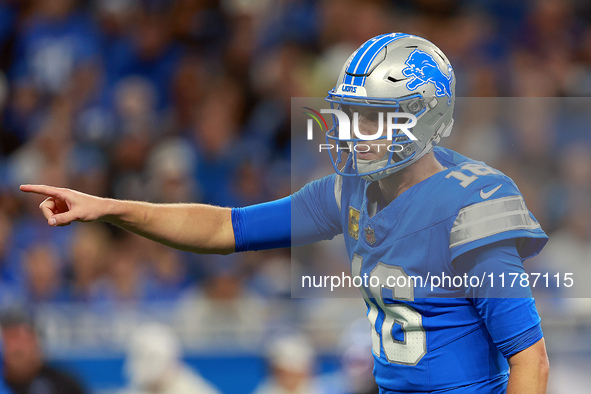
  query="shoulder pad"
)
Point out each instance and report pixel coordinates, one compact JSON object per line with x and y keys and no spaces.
{"x":481,"y":182}
{"x":491,"y":209}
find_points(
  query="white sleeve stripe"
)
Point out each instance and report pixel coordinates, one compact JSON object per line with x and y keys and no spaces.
{"x":497,"y":201}
{"x":338,"y":189}
{"x":489,"y":218}
{"x":485,"y":209}
{"x":493,"y":232}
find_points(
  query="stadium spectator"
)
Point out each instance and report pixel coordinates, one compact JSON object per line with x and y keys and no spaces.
{"x":154,"y":364}
{"x":87,"y":261}
{"x":43,"y":278}
{"x":126,"y":282}
{"x":291,"y":363}
{"x":24,"y":369}
{"x":209,"y":314}
{"x":58,"y":40}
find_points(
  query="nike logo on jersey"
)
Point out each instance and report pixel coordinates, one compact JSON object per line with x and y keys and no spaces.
{"x":484,"y":195}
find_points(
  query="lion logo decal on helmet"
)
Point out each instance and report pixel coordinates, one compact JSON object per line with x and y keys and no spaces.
{"x":424,"y":69}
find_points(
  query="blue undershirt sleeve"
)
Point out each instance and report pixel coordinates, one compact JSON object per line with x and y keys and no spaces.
{"x":509,"y":312}
{"x":307,"y":216}
{"x":263,"y":226}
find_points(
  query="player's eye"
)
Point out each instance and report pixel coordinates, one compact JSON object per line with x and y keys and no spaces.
{"x":371,"y":116}
{"x":349,"y":109}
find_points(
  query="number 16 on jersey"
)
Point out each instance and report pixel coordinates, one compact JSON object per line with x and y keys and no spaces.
{"x":413,"y":347}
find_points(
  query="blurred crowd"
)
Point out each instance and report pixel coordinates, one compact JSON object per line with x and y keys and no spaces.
{"x":189,"y":100}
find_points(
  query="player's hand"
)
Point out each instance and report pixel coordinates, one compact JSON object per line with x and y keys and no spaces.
{"x":63,"y":206}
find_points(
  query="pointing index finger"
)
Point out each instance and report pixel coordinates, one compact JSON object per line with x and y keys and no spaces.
{"x":42,"y":189}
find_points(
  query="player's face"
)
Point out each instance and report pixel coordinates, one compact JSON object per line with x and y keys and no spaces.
{"x":369,"y":123}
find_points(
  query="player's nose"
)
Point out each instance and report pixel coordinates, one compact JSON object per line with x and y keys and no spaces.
{"x":369,"y":128}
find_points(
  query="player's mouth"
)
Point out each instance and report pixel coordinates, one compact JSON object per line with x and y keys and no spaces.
{"x":370,"y":155}
{"x":370,"y":151}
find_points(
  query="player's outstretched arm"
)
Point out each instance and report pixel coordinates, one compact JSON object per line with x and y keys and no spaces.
{"x":197,"y":228}
{"x":529,"y":370}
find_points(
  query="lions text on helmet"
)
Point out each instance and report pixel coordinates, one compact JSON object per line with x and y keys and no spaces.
{"x":407,"y":79}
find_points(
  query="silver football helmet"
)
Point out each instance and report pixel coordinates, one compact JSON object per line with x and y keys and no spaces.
{"x":395,"y":73}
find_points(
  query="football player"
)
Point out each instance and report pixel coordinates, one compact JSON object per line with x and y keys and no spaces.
{"x":408,"y":211}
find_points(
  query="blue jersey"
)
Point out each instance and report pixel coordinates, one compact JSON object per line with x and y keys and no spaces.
{"x":468,"y":219}
{"x":424,"y":339}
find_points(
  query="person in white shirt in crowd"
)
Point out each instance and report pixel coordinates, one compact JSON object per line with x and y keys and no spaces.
{"x":291,"y":363}
{"x":154,"y":364}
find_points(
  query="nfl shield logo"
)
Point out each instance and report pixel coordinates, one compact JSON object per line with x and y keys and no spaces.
{"x":370,"y":235}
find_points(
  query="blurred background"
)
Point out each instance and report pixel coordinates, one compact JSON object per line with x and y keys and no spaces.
{"x":189,"y":100}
